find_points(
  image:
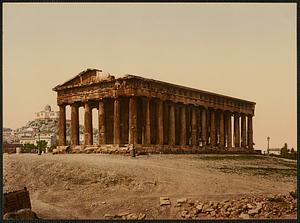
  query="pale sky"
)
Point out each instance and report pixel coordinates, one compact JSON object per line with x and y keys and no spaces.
{"x":246,"y":51}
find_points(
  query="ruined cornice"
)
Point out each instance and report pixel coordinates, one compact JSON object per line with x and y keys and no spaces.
{"x":130,"y":77}
{"x":187,"y":88}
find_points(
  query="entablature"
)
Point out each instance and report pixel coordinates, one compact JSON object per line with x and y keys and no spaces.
{"x":135,"y":87}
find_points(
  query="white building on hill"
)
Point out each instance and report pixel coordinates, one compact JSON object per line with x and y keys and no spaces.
{"x":275,"y":151}
{"x":46,"y":114}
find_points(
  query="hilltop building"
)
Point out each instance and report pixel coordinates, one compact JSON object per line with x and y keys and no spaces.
{"x":46,"y":114}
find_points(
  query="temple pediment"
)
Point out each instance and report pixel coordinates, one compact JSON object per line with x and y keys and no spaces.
{"x":85,"y":77}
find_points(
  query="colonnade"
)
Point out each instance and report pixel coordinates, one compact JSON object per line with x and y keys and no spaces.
{"x":146,"y":121}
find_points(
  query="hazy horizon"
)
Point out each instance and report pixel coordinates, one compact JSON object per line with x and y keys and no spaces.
{"x":246,"y":51}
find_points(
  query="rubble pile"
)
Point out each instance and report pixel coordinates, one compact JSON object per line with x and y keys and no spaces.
{"x":105,"y":149}
{"x":248,"y":207}
{"x":273,"y":206}
{"x":126,"y":216}
{"x":22,"y":214}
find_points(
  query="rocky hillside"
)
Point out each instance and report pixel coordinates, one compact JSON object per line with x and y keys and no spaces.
{"x":49,"y":126}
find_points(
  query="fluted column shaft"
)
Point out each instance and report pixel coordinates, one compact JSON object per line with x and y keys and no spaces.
{"x":172,"y":125}
{"x":74,"y":125}
{"x":213,"y":128}
{"x":88,"y":128}
{"x":62,"y":126}
{"x":243,"y":131}
{"x":250,"y":132}
{"x":147,"y":137}
{"x":101,"y":122}
{"x":222,"y":138}
{"x":236,"y":130}
{"x":183,"y":126}
{"x":117,"y":121}
{"x":203,"y":126}
{"x":194,"y":127}
{"x":229,"y":130}
{"x":132,"y":121}
{"x":160,"y":123}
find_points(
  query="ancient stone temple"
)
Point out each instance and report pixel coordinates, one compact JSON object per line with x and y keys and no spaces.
{"x":154,"y":115}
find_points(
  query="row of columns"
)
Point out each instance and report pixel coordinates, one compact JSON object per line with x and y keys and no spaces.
{"x":220,"y":134}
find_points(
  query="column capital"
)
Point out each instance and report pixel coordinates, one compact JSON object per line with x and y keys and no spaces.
{"x":228,"y":112}
{"x":159,"y":99}
{"x":218,"y":110}
{"x":205,"y":107}
{"x":191,"y":105}
{"x":243,"y":115}
{"x":76,"y":104}
{"x":62,"y":105}
{"x":237,"y":114}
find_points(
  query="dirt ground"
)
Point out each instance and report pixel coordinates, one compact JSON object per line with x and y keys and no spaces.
{"x":88,"y":186}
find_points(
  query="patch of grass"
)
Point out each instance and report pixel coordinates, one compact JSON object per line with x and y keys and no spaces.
{"x":286,"y":163}
{"x":231,"y":157}
{"x":263,"y":171}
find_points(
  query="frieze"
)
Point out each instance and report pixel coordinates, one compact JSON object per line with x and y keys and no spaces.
{"x":137,"y":86}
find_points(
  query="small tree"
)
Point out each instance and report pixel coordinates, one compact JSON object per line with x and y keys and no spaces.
{"x":293,"y":154}
{"x":284,"y":151}
{"x":41,"y":145}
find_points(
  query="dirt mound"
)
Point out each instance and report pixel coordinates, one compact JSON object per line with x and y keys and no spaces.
{"x":41,"y":175}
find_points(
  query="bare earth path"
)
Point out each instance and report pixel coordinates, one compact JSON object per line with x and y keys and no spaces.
{"x":88,"y":186}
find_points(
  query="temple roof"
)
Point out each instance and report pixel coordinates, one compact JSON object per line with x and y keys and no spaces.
{"x":92,"y":76}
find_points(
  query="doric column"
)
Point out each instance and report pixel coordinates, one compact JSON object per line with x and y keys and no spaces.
{"x":203,"y":126}
{"x":74,"y":125}
{"x":236,"y":130}
{"x":117,"y":121}
{"x":132,"y":121}
{"x":160,"y":123}
{"x":147,"y":137}
{"x":62,"y":126}
{"x":243,"y":130}
{"x":250,"y":132}
{"x":172,"y":124}
{"x":183,"y":126}
{"x":88,"y":126}
{"x":222,"y":141}
{"x":229,"y":130}
{"x":101,"y":122}
{"x":194,"y":127}
{"x":213,"y":128}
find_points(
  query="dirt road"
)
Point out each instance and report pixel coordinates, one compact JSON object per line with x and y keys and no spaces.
{"x":88,"y":186}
